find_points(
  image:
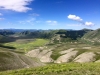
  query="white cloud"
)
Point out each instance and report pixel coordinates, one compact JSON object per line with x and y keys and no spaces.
{"x":1,"y":14}
{"x":51,"y":22}
{"x":15,"y":5}
{"x":74,"y":17}
{"x":77,"y":18}
{"x":89,"y":23}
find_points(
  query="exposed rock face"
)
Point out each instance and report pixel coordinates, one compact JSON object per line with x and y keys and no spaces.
{"x":33,"y":53}
{"x":46,"y":57}
{"x":67,"y":57}
{"x":85,"y":57}
{"x":67,"y":51}
{"x":97,"y":61}
{"x":43,"y":55}
{"x":86,"y":47}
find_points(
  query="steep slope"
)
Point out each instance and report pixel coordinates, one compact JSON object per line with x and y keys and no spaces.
{"x":12,"y":60}
{"x":92,"y":36}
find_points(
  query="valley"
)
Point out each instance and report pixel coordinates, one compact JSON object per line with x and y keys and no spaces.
{"x":31,"y":54}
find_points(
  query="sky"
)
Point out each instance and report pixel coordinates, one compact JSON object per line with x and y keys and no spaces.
{"x":49,"y":14}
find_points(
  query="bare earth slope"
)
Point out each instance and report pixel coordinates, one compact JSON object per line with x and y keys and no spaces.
{"x":11,"y":60}
{"x":43,"y":55}
{"x":81,"y":55}
{"x":85,"y":57}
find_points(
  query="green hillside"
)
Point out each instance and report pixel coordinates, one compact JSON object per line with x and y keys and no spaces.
{"x":15,"y":60}
{"x":24,"y":45}
{"x":63,"y":52}
{"x":92,"y":36}
{"x":59,"y":69}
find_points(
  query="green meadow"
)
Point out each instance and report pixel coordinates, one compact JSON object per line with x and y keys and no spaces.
{"x":25,"y":45}
{"x":59,"y":69}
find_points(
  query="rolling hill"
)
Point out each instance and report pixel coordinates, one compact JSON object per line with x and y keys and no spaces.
{"x":92,"y":36}
{"x":14,"y":60}
{"x":49,"y":47}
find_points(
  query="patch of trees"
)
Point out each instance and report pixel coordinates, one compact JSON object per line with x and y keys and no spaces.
{"x":45,"y":34}
{"x":5,"y":39}
{"x":9,"y":47}
{"x":57,"y":35}
{"x":6,"y":32}
{"x":72,"y":34}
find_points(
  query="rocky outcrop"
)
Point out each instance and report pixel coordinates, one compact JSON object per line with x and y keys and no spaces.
{"x":70,"y":55}
{"x":66,"y":57}
{"x":67,"y":51}
{"x":43,"y":55}
{"x":85,"y":57}
{"x":46,"y":57}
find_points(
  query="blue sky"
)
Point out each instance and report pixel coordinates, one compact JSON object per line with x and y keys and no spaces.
{"x":49,"y":14}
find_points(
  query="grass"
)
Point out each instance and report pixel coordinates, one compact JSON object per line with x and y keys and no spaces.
{"x":59,"y":69}
{"x":26,"y":45}
{"x":56,"y":69}
{"x":97,"y":57}
{"x":10,"y":60}
{"x":78,"y":47}
{"x":65,"y":46}
{"x":55,"y":55}
{"x":57,"y":49}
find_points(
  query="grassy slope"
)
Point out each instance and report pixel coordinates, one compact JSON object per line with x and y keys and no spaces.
{"x":15,"y":60}
{"x":56,"y":69}
{"x":77,"y":47}
{"x":66,"y":46}
{"x":59,"y":69}
{"x":92,"y":36}
{"x":27,"y":44}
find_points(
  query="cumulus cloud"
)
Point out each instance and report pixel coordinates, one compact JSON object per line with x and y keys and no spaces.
{"x":77,"y":18}
{"x":89,"y":23}
{"x":51,"y":22}
{"x":15,"y":5}
{"x":74,"y":17}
